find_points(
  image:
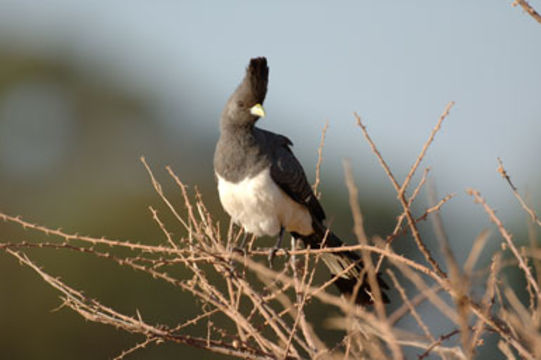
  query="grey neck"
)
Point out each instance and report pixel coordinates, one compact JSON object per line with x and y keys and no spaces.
{"x":238,"y":153}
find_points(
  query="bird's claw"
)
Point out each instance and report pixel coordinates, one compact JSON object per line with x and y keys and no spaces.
{"x":272,"y":255}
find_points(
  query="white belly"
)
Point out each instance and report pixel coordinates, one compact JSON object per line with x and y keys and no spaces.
{"x":261,"y":207}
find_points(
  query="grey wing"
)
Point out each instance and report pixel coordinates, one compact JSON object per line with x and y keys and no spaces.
{"x":287,"y":172}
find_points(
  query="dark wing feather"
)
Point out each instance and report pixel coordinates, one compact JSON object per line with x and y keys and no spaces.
{"x":288,"y":174}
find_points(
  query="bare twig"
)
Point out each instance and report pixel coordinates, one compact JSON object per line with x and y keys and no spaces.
{"x":410,"y":306}
{"x":367,"y":261}
{"x":440,"y":340}
{"x":315,"y":187}
{"x":426,"y":145}
{"x":528,"y":8}
{"x":508,"y":239}
{"x":411,"y":222}
{"x":521,"y":201}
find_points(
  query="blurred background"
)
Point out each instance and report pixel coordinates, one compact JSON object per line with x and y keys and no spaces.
{"x":86,"y":88}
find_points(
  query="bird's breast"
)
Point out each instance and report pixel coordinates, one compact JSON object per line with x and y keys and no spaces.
{"x":261,"y":207}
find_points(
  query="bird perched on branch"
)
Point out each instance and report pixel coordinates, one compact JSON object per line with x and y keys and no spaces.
{"x":264,"y":189}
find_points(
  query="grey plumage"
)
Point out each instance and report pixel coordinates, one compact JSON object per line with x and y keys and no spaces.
{"x":242,"y":152}
{"x":245,"y":152}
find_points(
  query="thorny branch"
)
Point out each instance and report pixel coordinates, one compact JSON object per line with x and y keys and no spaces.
{"x":260,"y":313}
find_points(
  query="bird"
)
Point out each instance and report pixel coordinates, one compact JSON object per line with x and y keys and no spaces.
{"x":264,"y":189}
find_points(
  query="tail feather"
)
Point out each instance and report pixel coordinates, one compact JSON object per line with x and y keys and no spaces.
{"x":337,"y":262}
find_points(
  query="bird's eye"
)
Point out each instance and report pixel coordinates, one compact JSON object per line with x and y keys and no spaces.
{"x":240,"y":103}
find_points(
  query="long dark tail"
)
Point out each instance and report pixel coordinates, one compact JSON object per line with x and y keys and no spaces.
{"x":336,"y":262}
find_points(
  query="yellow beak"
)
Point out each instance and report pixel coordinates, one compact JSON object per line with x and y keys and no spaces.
{"x":257,"y":110}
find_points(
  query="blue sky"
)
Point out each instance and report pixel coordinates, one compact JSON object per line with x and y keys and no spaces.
{"x":395,"y":63}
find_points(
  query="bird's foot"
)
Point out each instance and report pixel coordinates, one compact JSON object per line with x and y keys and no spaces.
{"x":276,"y":247}
{"x":272,"y":255}
{"x":240,"y":247}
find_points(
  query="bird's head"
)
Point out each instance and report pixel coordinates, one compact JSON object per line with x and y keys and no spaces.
{"x":245,"y":106}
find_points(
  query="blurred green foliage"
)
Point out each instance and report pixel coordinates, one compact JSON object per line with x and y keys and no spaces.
{"x":96,"y":186}
{"x":83,"y":174}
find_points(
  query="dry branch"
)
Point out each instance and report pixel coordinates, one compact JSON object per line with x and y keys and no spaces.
{"x":254,"y":312}
{"x":528,"y":8}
